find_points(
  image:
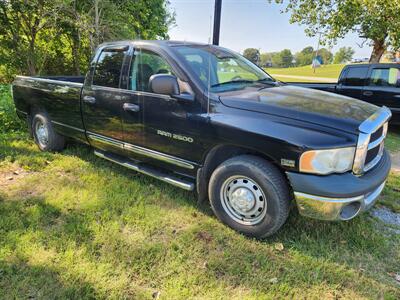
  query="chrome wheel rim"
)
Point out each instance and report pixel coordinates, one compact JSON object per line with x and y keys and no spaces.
{"x":42,"y":133}
{"x":243,"y":200}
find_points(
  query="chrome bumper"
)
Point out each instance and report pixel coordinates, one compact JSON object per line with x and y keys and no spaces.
{"x":332,"y":209}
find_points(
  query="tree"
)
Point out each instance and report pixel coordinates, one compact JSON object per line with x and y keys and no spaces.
{"x":54,"y":36}
{"x":343,"y":55}
{"x":23,"y":25}
{"x":376,"y":21}
{"x":252,"y":54}
{"x":282,"y":59}
{"x":326,"y":55}
{"x":276,"y":59}
{"x":265,"y":59}
{"x":287,"y":58}
{"x":305,"y":56}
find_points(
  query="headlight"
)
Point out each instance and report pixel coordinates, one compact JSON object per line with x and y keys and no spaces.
{"x":327,"y":161}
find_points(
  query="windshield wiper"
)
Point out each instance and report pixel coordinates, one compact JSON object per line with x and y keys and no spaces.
{"x":266,"y":80}
{"x":233,"y":81}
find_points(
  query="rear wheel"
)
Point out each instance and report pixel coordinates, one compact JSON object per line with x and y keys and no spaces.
{"x":250,"y":195}
{"x":44,"y":134}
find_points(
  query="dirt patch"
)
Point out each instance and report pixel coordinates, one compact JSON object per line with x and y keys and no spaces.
{"x":204,"y":236}
{"x":11,"y":175}
{"x":395,"y":161}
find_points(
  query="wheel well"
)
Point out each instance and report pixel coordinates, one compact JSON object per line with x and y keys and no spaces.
{"x":214,"y":158}
{"x":31,"y":110}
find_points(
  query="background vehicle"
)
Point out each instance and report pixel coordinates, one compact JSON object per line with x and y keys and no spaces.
{"x":201,"y":116}
{"x":378,"y":84}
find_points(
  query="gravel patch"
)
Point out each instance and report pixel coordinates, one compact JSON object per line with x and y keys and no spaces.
{"x":386,"y":216}
{"x":395,"y":161}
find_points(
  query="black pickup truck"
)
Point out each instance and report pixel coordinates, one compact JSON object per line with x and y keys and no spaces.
{"x":378,"y":84}
{"x":204,"y":118}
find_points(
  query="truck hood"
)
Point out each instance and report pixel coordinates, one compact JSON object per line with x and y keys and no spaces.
{"x":313,"y":106}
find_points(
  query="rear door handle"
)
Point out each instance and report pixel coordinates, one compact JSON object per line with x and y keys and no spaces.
{"x":89,"y":99}
{"x":397,"y":96}
{"x":368,"y":93}
{"x":131,"y":107}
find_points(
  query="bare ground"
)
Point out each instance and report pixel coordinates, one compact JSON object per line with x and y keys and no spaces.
{"x":10,"y":175}
{"x":395,"y":161}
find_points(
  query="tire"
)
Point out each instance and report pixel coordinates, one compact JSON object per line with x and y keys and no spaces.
{"x":44,"y":134}
{"x":250,"y":195}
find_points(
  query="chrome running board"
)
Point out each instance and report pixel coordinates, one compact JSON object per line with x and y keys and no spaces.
{"x":181,"y":183}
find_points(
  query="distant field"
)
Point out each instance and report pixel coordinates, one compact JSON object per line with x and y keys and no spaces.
{"x":324,"y":73}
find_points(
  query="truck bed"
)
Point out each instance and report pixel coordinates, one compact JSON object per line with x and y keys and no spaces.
{"x":76,"y":79}
{"x":58,"y":95}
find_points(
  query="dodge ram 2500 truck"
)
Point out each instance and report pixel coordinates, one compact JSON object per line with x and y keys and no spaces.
{"x":204,"y":118}
{"x":377,"y":84}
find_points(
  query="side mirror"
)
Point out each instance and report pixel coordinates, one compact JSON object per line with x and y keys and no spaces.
{"x":166,"y":84}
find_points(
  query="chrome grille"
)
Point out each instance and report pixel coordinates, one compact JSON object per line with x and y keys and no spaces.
{"x":371,"y":140}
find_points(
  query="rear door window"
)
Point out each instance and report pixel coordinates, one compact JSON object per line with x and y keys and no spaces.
{"x":389,"y":77}
{"x":108,"y":68}
{"x":356,"y":76}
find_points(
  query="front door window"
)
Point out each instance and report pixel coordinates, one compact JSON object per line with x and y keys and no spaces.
{"x":145,"y":64}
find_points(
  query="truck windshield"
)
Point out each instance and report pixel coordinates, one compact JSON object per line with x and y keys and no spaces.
{"x":221,"y":70}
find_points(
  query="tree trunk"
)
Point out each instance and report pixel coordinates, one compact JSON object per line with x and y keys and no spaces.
{"x":31,"y":59}
{"x":378,"y":50}
{"x":76,"y":51}
{"x":96,"y":23}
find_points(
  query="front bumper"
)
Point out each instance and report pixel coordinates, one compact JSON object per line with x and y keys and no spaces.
{"x":339,"y":196}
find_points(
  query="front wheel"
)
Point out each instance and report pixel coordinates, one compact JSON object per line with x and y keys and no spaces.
{"x":44,"y":134}
{"x":250,"y":195}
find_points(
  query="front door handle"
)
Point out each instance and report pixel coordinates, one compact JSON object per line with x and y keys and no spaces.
{"x":89,"y":99}
{"x":397,"y":96}
{"x":131,"y":107}
{"x":368,"y":93}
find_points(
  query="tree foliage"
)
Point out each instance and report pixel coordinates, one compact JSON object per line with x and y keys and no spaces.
{"x":377,"y":21}
{"x":286,"y":58}
{"x":326,"y":55}
{"x":281,"y":59}
{"x":343,"y":55}
{"x":58,"y":36}
{"x":265,"y":59}
{"x":252,"y":54}
{"x":305,"y":56}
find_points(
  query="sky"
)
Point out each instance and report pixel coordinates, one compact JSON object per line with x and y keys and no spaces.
{"x":248,"y":24}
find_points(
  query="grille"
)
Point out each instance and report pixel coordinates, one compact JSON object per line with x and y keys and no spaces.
{"x":371,"y":154}
{"x":375,"y":147}
{"x":376,"y":135}
{"x":370,"y":145}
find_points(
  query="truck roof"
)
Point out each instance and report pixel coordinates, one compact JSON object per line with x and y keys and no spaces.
{"x":158,"y":43}
{"x":373,"y":65}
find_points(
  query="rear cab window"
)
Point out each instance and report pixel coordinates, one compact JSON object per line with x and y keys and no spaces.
{"x":108,"y":68}
{"x":389,"y":77}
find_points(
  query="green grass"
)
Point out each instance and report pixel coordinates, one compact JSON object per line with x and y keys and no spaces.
{"x":392,"y":142}
{"x":75,"y":226}
{"x":9,"y":121}
{"x":326,"y":71}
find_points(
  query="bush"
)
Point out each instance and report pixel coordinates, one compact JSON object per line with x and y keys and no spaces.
{"x":9,"y":121}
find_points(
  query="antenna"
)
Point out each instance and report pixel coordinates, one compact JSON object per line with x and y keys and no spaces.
{"x":209,"y":36}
